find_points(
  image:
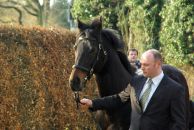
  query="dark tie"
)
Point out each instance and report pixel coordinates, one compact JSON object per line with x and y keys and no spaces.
{"x":146,"y":94}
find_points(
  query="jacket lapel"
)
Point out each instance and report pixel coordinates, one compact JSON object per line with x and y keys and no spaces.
{"x":139,"y":89}
{"x":135,"y":102}
{"x":137,"y":92}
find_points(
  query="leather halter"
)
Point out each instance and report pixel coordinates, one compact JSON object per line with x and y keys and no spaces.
{"x":91,"y":70}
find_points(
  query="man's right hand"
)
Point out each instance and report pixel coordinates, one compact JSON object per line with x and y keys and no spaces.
{"x":86,"y":102}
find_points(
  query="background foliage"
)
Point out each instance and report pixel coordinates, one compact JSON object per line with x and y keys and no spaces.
{"x":145,"y":23}
{"x":166,"y":25}
{"x":177,"y":34}
{"x":88,"y":9}
{"x":59,"y":14}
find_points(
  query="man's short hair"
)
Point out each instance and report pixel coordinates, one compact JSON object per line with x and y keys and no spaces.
{"x":156,"y":54}
{"x":133,"y":49}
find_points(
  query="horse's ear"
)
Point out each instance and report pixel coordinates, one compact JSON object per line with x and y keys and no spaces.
{"x":97,"y":24}
{"x":80,"y":25}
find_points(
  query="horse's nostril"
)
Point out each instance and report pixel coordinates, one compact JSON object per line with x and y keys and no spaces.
{"x":75,"y":84}
{"x":77,"y":80}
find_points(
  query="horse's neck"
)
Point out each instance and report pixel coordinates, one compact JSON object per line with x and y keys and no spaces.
{"x":114,"y":77}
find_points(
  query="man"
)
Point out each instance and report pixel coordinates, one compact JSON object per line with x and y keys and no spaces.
{"x":158,"y":102}
{"x":132,"y":56}
{"x":192,"y":116}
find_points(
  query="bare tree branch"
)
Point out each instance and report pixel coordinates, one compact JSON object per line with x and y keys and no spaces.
{"x":28,"y":11}
{"x":17,"y":9}
{"x":33,"y":5}
{"x":29,"y":7}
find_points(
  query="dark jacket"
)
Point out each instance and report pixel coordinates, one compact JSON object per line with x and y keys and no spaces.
{"x":165,"y":111}
{"x":191,"y":123}
{"x":138,"y":64}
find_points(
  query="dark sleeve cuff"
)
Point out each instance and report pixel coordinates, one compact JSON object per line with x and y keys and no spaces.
{"x":105,"y":103}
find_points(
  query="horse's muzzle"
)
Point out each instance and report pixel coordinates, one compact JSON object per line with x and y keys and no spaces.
{"x":75,"y":84}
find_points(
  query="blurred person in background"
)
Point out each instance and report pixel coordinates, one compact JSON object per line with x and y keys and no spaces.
{"x":132,"y":56}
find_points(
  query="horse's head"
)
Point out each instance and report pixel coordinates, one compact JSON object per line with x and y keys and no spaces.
{"x":90,"y":56}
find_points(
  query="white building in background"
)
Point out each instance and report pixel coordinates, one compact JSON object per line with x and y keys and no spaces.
{"x":70,"y":18}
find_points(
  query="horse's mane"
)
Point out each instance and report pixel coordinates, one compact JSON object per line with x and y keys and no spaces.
{"x":118,"y":44}
{"x":126,"y":63}
{"x":115,"y":38}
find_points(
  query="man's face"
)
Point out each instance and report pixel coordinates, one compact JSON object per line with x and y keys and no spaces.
{"x":149,"y":65}
{"x":132,"y":56}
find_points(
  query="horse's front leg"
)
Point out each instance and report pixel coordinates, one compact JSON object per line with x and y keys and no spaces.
{"x":114,"y":127}
{"x":102,"y":120}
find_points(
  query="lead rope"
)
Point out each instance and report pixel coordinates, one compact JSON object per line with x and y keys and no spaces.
{"x":80,"y":114}
{"x":77,"y":99}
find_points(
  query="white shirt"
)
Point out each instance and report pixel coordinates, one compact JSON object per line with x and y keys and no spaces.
{"x":156,"y":81}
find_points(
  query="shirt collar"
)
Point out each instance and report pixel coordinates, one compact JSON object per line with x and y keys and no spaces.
{"x":157,"y":78}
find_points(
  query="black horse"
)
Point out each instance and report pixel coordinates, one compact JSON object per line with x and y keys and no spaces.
{"x":100,"y":51}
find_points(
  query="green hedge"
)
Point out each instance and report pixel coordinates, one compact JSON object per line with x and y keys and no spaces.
{"x":177,"y":34}
{"x":35,"y":66}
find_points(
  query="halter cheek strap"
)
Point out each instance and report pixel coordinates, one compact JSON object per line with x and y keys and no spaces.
{"x":91,"y":72}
